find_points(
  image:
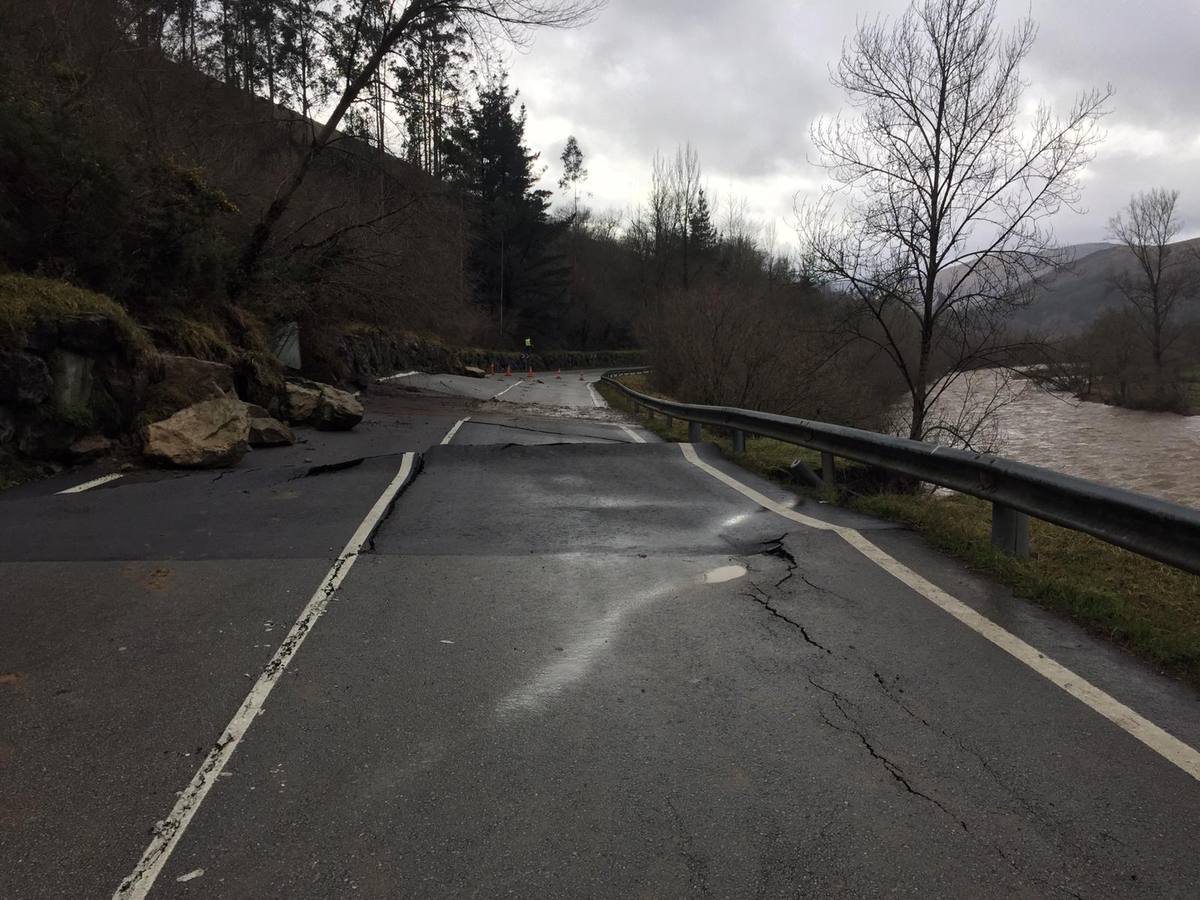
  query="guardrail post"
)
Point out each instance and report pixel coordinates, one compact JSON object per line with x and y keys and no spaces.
{"x":739,"y":441}
{"x":1010,"y":531}
{"x":693,"y":432}
{"x":827,"y":470}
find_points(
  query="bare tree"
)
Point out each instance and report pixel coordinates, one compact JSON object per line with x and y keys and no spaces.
{"x":663,"y":216}
{"x":939,"y":222}
{"x":377,"y":29}
{"x":685,"y":184}
{"x":1163,"y":275}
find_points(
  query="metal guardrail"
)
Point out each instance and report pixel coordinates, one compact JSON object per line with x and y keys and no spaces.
{"x":1167,"y":532}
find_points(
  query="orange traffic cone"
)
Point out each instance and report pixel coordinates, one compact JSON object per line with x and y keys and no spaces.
{"x":491,"y":369}
{"x":531,"y":373}
{"x":558,"y":375}
{"x":508,"y":372}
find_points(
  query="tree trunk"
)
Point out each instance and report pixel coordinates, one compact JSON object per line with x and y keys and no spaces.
{"x":261,"y":236}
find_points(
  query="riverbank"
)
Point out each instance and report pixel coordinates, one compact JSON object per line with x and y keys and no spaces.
{"x":1149,"y":608}
{"x":1185,"y":402}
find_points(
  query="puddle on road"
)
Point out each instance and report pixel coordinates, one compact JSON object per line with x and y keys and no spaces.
{"x":724,"y":573}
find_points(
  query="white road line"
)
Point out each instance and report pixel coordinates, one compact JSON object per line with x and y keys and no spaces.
{"x":453,"y":431}
{"x":597,"y":400}
{"x":170,"y":830}
{"x":506,"y":390}
{"x":637,"y":438}
{"x":399,"y":375}
{"x":1161,"y":742}
{"x":88,"y":485}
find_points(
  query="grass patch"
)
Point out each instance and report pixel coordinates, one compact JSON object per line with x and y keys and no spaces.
{"x":764,"y":456}
{"x":1150,"y":608}
{"x":27,"y":301}
{"x":188,"y":336}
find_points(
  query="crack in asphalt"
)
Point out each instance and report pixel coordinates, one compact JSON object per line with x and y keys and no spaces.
{"x":166,"y":828}
{"x":764,"y":601}
{"x":545,"y":431}
{"x":892,"y":768}
{"x":887,"y":691}
{"x":417,"y":469}
{"x":327,"y":468}
{"x":898,"y":774}
{"x":985,"y":766}
{"x":696,"y":863}
{"x":776,"y":549}
{"x":820,"y":589}
{"x":851,"y":726}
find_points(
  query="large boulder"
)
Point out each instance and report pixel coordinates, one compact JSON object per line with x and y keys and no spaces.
{"x":206,"y":435}
{"x":268,"y":432}
{"x":303,"y":398}
{"x":337,"y":411}
{"x":186,"y":381}
{"x":322,"y":405}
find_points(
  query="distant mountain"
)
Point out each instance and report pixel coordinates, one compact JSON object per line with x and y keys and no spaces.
{"x":1070,"y":299}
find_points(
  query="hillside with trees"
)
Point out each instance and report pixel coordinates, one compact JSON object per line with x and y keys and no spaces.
{"x":184,"y":158}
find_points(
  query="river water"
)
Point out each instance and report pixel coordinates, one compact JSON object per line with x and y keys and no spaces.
{"x":1153,"y":453}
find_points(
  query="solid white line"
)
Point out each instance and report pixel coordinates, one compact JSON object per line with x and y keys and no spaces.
{"x":506,"y":390}
{"x":170,"y":830}
{"x":597,"y":400}
{"x":398,"y":375}
{"x":637,"y":438}
{"x":1161,"y":742}
{"x":453,"y":431}
{"x":88,"y":485}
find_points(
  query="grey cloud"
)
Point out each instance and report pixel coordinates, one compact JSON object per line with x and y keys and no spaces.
{"x":743,"y":82}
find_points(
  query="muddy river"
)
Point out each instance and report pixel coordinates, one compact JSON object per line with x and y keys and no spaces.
{"x":1154,"y":453}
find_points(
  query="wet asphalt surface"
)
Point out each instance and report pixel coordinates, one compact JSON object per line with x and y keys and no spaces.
{"x":527,"y":688}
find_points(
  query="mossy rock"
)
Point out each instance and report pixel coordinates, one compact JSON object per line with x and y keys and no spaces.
{"x":40,"y":313}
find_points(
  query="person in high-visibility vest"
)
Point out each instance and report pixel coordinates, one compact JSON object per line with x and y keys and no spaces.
{"x":527,"y":355}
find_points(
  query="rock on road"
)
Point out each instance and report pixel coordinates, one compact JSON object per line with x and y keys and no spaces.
{"x":567,"y":661}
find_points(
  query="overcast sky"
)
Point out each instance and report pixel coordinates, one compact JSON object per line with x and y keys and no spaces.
{"x":744,"y":80}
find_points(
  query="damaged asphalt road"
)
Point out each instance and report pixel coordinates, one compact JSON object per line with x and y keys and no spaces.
{"x":528,"y":685}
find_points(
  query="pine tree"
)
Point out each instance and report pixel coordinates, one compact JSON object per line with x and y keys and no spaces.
{"x":703,"y":236}
{"x":488,"y":159}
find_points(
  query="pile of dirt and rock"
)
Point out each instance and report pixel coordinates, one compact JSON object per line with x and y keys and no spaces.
{"x":79,"y":380}
{"x":216,"y":429}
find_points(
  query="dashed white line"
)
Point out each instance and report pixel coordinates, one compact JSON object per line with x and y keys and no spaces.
{"x":453,"y":431}
{"x":1161,"y":742}
{"x":637,"y":438}
{"x":170,"y":830}
{"x":88,"y":485}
